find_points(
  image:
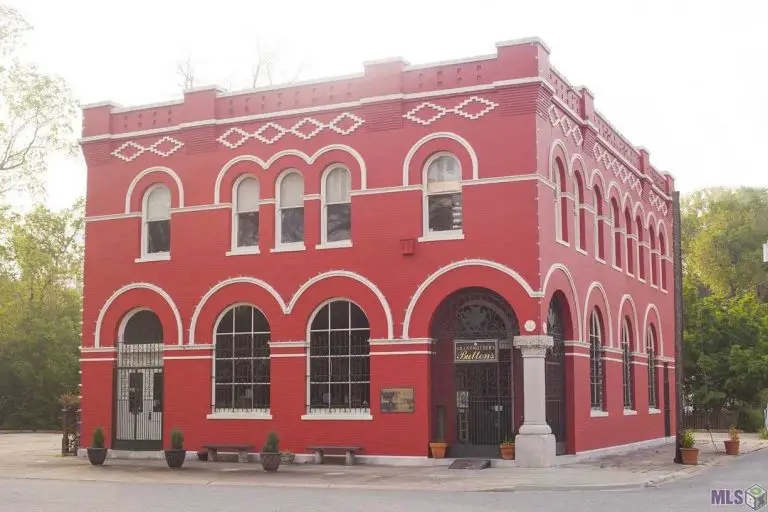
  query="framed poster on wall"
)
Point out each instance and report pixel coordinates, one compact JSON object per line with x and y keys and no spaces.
{"x":397,"y":400}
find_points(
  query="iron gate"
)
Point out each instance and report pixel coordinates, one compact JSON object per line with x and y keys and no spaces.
{"x":555,"y":375}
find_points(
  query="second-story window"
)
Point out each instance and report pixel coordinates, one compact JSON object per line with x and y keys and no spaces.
{"x":246,"y":218}
{"x":443,"y":195}
{"x":290,"y":223}
{"x":156,"y":225}
{"x":337,"y":207}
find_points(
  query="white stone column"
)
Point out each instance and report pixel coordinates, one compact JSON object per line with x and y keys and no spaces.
{"x":534,"y":444}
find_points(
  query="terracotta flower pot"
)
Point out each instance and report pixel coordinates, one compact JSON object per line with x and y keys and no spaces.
{"x":438,"y":449}
{"x":507,"y":451}
{"x":731,"y":447}
{"x":690,"y":456}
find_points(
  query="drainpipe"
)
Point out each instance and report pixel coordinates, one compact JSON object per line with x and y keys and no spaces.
{"x":678,"y":272}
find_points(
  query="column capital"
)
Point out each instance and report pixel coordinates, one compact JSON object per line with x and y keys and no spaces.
{"x":535,"y":345}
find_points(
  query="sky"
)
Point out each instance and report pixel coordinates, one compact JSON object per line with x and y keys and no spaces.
{"x":674,"y":76}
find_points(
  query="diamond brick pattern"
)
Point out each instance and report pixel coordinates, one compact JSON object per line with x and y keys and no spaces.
{"x":132,"y":150}
{"x":619,"y":170}
{"x":269,"y":133}
{"x":570,"y":129}
{"x":427,"y":113}
{"x":657,"y":202}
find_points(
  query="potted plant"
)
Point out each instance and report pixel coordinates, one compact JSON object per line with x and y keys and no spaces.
{"x":270,"y":453}
{"x":176,"y":455}
{"x":508,"y":449}
{"x":732,"y":445}
{"x":97,"y":452}
{"x":438,"y":449}
{"x":689,"y":454}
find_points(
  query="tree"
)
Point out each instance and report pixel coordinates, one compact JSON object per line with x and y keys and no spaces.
{"x":187,"y":73}
{"x":37,"y":112}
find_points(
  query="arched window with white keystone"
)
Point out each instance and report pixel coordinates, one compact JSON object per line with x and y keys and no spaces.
{"x":290,"y":206}
{"x":245,"y":219}
{"x":337,"y":207}
{"x":156,"y":223}
{"x":442,"y":197}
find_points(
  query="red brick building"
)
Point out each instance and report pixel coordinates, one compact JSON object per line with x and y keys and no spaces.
{"x":464,"y":250}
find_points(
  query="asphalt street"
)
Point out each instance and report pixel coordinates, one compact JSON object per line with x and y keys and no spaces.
{"x":692,"y":494}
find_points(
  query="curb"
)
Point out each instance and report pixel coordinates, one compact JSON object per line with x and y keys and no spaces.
{"x":561,"y":488}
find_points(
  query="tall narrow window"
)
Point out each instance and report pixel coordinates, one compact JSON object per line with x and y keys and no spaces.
{"x":290,"y":222}
{"x":337,"y":207}
{"x":562,"y":201}
{"x":339,"y":361}
{"x":156,"y":234}
{"x":616,"y":223}
{"x":581,"y":215}
{"x":640,"y":248}
{"x":663,"y":260}
{"x":443,"y":208}
{"x":241,"y":361}
{"x":599,"y":225}
{"x":654,"y":256}
{"x":630,"y":243}
{"x":246,"y":218}
{"x":626,"y":360}
{"x":597,"y":390}
{"x":653,"y":401}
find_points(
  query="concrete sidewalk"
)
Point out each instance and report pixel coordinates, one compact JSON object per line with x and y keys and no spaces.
{"x":34,"y":456}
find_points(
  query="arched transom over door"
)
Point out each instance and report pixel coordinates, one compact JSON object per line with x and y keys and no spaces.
{"x":555,"y":372}
{"x":472,"y":372}
{"x":139,"y":383}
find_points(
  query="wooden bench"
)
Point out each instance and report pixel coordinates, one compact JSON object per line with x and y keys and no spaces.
{"x":349,"y":453}
{"x":241,"y":449}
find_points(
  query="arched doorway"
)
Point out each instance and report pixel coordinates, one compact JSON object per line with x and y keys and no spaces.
{"x":139,"y":383}
{"x":472,"y":381}
{"x":555,"y":371}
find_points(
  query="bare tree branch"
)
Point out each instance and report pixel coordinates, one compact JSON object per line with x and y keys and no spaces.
{"x":187,"y":72}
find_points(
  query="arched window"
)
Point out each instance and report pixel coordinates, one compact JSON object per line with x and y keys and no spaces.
{"x":581,"y":215}
{"x":562,"y":200}
{"x":596,"y":382}
{"x":337,"y":206}
{"x":640,"y":248}
{"x":662,"y":257}
{"x":156,"y":223}
{"x":245,"y":220}
{"x":599,"y":225}
{"x":141,"y":328}
{"x":339,"y":370}
{"x":626,"y":359}
{"x":616,"y":223}
{"x":241,"y":361}
{"x":290,"y":221}
{"x":653,"y":401}
{"x":654,"y":256}
{"x":442,"y":198}
{"x":630,"y":243}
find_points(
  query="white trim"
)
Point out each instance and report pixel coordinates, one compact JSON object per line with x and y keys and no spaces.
{"x":139,"y":286}
{"x":453,"y":62}
{"x":342,"y":244}
{"x":279,"y":245}
{"x":439,"y":135}
{"x":223,"y":415}
{"x":280,"y":356}
{"x":659,"y":339}
{"x":166,"y":358}
{"x":605,"y":310}
{"x":628,"y":297}
{"x":574,"y":295}
{"x":200,"y":208}
{"x":235,"y":220}
{"x":154,"y":256}
{"x":505,"y":179}
{"x":166,"y":170}
{"x":384,"y":190}
{"x":98,"y":350}
{"x":412,"y":341}
{"x":630,"y":412}
{"x":324,"y":243}
{"x":292,"y":247}
{"x":288,"y":344}
{"x":652,"y":410}
{"x":594,"y":413}
{"x":403,"y":353}
{"x":184,"y":348}
{"x":98,"y":359}
{"x":523,"y":41}
{"x":577,"y":354}
{"x":337,"y":417}
{"x":145,"y":255}
{"x":456,"y":265}
{"x":441,"y":236}
{"x":112,"y":216}
{"x":248,"y":250}
{"x":427,"y":233}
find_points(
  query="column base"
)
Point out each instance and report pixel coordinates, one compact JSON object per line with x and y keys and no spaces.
{"x":534,"y":450}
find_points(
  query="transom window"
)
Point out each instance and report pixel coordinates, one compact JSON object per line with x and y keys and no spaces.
{"x":337,"y":209}
{"x":241,"y":361}
{"x":246,"y":219}
{"x":653,"y":402}
{"x":626,"y":360}
{"x":156,"y":232}
{"x":443,"y":208}
{"x":597,"y":390}
{"x":339,"y":361}
{"x":290,"y":222}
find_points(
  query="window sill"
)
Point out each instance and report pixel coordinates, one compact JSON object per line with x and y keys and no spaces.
{"x":337,"y":417}
{"x":563,"y":242}
{"x":598,"y":414}
{"x":243,"y":251}
{"x":654,"y":286}
{"x":223,"y":415}
{"x":334,"y":245}
{"x":436,"y":236}
{"x":599,"y":260}
{"x":158,"y":256}
{"x":582,"y":251}
{"x":630,"y":412}
{"x":617,"y":268}
{"x":641,"y":279}
{"x":651,"y":410}
{"x":289,"y":248}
